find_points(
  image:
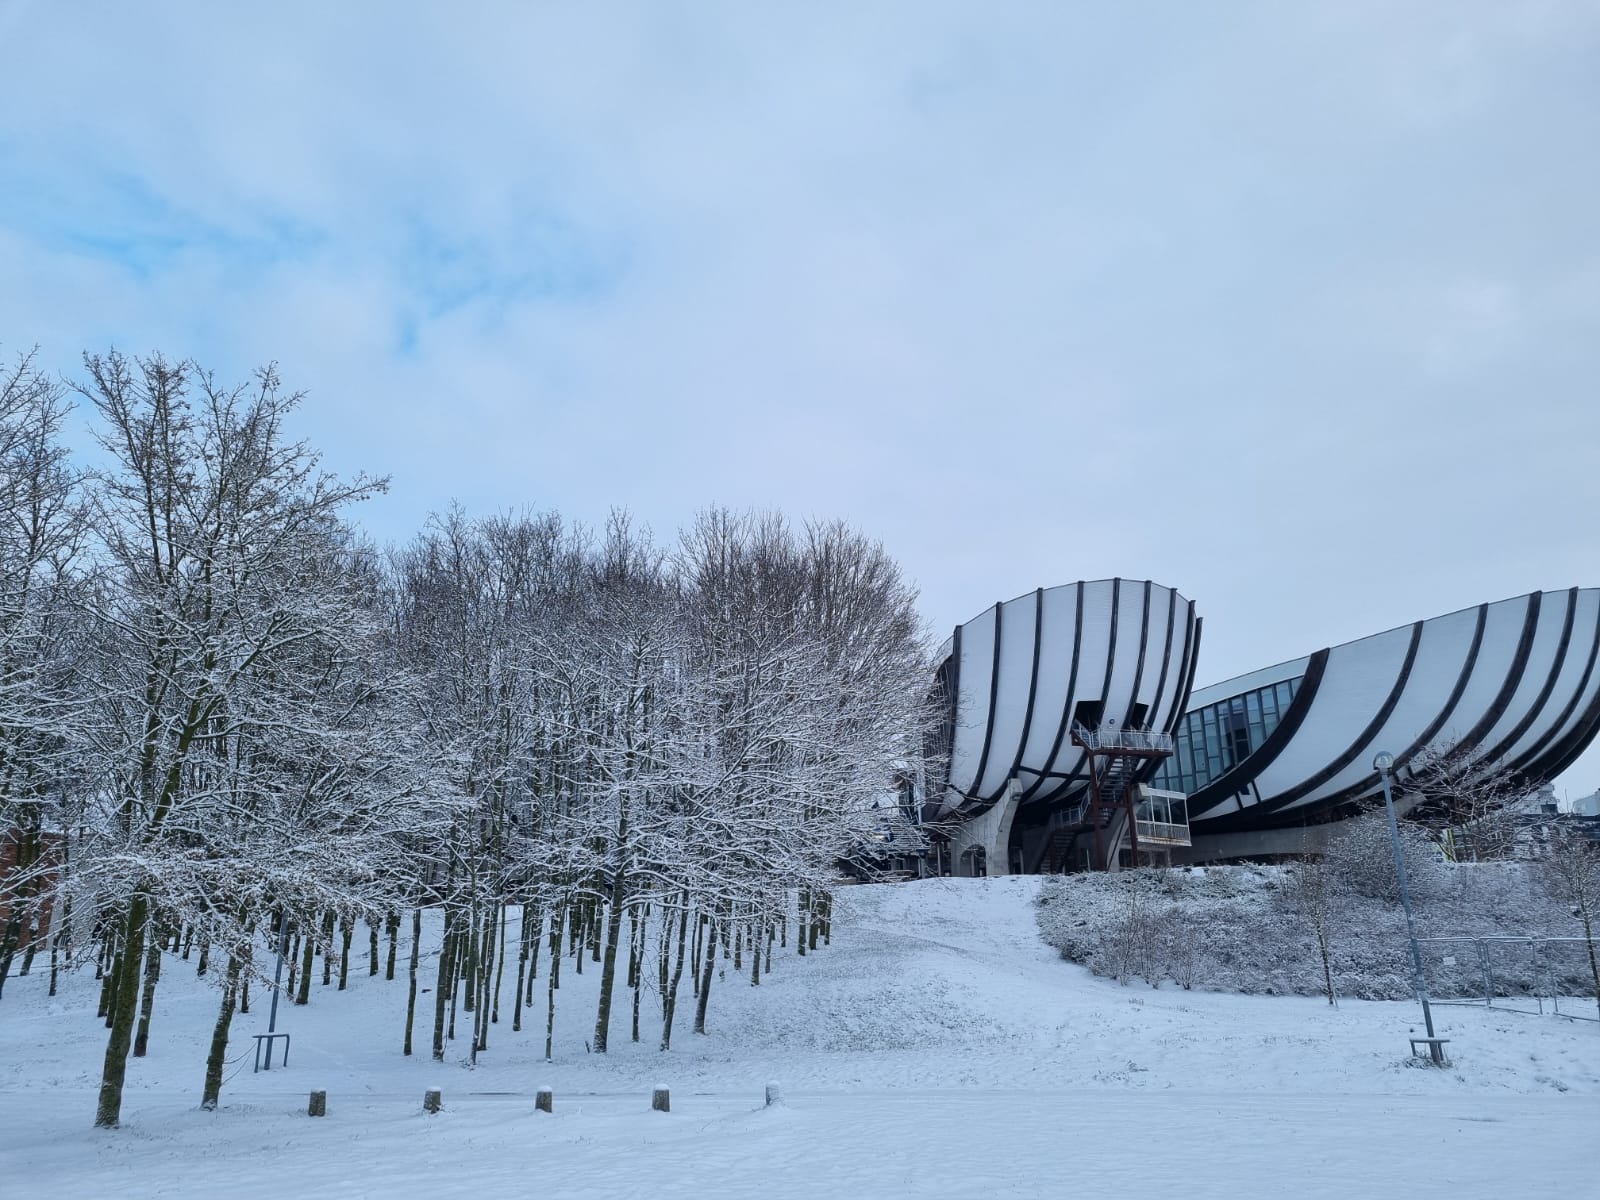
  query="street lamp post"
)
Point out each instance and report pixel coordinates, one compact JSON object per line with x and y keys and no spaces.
{"x":1382,"y":763}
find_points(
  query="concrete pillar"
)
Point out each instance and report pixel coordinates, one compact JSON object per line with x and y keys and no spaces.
{"x":991,"y":831}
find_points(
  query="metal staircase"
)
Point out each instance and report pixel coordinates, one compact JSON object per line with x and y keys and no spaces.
{"x":1068,"y":830}
{"x":1115,"y":758}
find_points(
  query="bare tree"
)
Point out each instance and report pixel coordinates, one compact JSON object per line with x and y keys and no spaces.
{"x":1571,"y":873}
{"x":214,"y":531}
{"x":41,"y":526}
{"x":1315,"y":891}
{"x":1470,"y":805}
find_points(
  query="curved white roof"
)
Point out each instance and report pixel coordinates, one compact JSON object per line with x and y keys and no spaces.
{"x":1014,"y":676}
{"x":1514,"y":683}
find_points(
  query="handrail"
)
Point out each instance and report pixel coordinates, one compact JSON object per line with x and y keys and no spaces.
{"x":1121,"y":738}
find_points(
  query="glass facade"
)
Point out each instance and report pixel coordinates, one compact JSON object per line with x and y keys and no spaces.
{"x":1210,"y":740}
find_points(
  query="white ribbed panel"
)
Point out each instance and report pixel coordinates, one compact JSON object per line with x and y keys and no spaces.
{"x":1584,"y":622}
{"x":1541,"y":661}
{"x":1355,"y":683}
{"x":1055,"y":669}
{"x":1011,"y":701}
{"x":1029,"y":747}
{"x":972,"y":703}
{"x":1441,"y":657}
{"x":1501,"y":632}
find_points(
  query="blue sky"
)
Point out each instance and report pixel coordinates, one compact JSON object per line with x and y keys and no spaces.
{"x":1293,"y":307}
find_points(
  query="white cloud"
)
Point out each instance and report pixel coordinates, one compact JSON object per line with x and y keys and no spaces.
{"x":1035,"y":292}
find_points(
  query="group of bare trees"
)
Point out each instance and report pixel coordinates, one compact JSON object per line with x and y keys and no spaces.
{"x":672,"y":741}
{"x":226,"y":720}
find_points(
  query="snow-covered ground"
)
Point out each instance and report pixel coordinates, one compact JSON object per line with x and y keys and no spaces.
{"x":937,"y":1048}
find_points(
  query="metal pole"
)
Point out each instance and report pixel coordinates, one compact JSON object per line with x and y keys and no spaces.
{"x":277,"y":972}
{"x":1434,"y":1051}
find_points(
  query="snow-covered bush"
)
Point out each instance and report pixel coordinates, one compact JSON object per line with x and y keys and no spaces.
{"x":1248,"y":929}
{"x":1362,"y":855}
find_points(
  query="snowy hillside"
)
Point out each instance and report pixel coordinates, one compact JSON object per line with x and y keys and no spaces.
{"x":937,"y":1048}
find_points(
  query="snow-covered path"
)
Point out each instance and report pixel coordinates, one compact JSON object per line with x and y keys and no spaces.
{"x":937,"y":1048}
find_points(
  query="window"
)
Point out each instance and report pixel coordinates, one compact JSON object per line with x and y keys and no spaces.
{"x":1214,"y":739}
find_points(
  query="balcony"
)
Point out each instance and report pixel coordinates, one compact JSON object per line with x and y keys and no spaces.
{"x":1117,"y":740}
{"x":1161,"y":818}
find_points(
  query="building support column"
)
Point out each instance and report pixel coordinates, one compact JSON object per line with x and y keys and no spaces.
{"x":990,"y":832}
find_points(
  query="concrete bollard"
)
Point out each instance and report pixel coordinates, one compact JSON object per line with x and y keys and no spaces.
{"x":318,"y":1106}
{"x":432,"y":1100}
{"x":774,"y":1095}
{"x":660,"y":1101}
{"x":544,"y":1100}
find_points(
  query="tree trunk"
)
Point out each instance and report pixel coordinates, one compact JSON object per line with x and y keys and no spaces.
{"x":471,"y":959}
{"x":522,"y":969}
{"x":114,"y":976}
{"x":480,"y":1025}
{"x":344,"y":955}
{"x":108,"y":1112}
{"x":393,"y":922}
{"x":698,"y":952}
{"x":303,"y":996}
{"x":500,"y":964}
{"x":707,"y":966}
{"x":35,"y":936}
{"x":550,"y":990}
{"x":106,"y":965}
{"x":1594,"y":962}
{"x":152,"y":974}
{"x":669,"y":1004}
{"x":219,"y":1038}
{"x":327,"y":949}
{"x":446,"y":984}
{"x":1327,"y":964}
{"x":557,"y":915}
{"x":534,"y":942}
{"x":608,"y":969}
{"x":578,"y":920}
{"x":411,"y":989}
{"x":636,"y":937}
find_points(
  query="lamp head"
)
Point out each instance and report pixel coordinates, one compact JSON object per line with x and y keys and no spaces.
{"x":1382,"y":762}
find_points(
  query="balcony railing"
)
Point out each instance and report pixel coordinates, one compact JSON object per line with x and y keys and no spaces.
{"x":1112,"y":737}
{"x":1162,"y":832}
{"x":1161,"y":817}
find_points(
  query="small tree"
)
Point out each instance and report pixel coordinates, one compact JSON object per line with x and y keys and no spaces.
{"x":1456,"y":793}
{"x":1182,"y":945}
{"x":1571,"y":873}
{"x":1131,"y":942}
{"x":1315,"y":892}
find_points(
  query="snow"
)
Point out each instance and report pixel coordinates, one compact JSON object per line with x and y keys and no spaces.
{"x":938,"y":1048}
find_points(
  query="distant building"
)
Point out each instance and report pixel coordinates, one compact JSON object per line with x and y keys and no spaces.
{"x":28,"y":874}
{"x":1069,"y":716}
{"x":1583,"y":806}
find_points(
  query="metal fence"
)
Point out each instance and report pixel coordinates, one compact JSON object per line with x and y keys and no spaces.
{"x":1516,"y":974}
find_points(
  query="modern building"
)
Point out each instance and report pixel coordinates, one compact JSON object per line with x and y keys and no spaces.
{"x":1020,"y":686}
{"x":1073,"y":737}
